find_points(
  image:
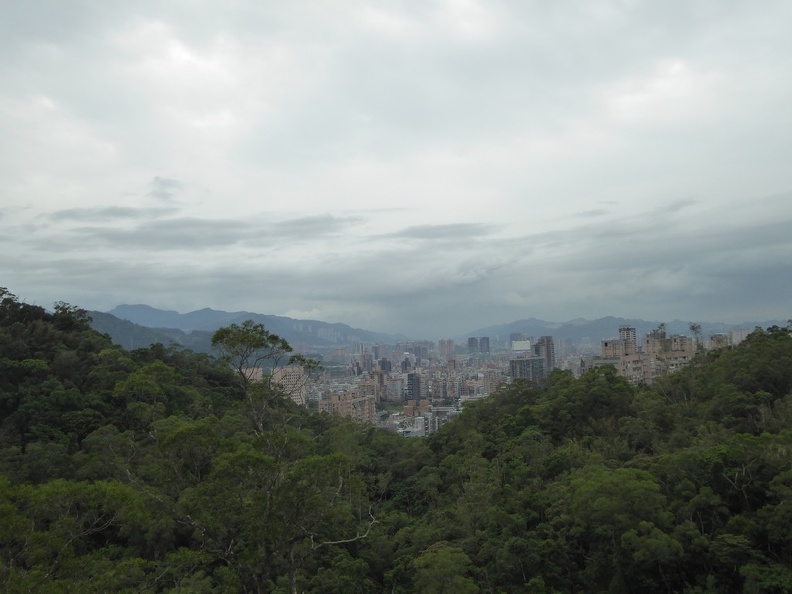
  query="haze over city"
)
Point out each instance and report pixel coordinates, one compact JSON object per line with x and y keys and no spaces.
{"x":422,"y":168}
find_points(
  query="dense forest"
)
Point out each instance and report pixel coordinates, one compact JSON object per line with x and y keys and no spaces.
{"x":159,"y":470}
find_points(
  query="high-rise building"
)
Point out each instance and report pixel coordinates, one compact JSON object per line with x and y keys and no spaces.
{"x":473,"y":345}
{"x":661,"y":354}
{"x":351,"y":405}
{"x":413,"y":386}
{"x":530,"y":368}
{"x":484,"y":345}
{"x":491,"y":380}
{"x":545,"y":349}
{"x":294,"y":382}
{"x":718,"y":341}
{"x":418,"y":348}
{"x":447,"y":348}
{"x":624,"y":346}
{"x":627,"y":334}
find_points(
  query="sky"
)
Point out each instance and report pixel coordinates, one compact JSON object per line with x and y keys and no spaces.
{"x":425,"y":167}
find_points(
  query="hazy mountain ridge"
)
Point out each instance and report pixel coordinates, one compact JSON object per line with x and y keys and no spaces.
{"x":603,"y":328}
{"x":194,"y":329}
{"x":206,"y":319}
{"x":137,"y":326}
{"x":136,"y":336}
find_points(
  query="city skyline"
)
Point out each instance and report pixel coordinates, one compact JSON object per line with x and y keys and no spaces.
{"x":400,"y":168}
{"x":138,"y":326}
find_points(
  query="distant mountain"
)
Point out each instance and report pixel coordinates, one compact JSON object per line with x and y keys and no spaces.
{"x":194,"y":329}
{"x":203,"y":319}
{"x":138,"y":326}
{"x":596,"y":330}
{"x":134,"y":336}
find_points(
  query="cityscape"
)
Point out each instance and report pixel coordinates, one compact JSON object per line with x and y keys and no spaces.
{"x":415,"y":387}
{"x":396,"y":297}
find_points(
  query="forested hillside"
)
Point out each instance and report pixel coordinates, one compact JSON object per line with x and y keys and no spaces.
{"x":157,"y":470}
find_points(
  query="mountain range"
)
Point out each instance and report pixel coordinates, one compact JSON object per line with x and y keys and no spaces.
{"x":578,"y":330}
{"x":138,"y":326}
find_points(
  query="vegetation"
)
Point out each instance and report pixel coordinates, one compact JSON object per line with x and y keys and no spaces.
{"x":150,"y":471}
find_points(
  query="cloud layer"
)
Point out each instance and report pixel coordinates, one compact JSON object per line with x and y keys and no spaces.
{"x":423,"y":168}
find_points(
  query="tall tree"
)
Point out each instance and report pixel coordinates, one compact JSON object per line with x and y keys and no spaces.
{"x":253,"y":351}
{"x":248,"y":348}
{"x":695,"y":330}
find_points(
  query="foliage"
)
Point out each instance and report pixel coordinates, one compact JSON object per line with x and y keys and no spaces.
{"x":162,"y":470}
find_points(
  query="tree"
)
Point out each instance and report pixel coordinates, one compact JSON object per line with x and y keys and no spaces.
{"x":441,"y":569}
{"x":247,"y":348}
{"x":11,"y":310}
{"x":695,"y":330}
{"x":70,"y":318}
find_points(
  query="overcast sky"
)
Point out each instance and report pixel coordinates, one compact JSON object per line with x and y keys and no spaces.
{"x":425,"y":167}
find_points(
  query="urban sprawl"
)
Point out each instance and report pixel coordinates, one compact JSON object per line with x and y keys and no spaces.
{"x":415,"y":387}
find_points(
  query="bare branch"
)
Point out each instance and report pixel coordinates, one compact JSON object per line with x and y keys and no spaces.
{"x":358,"y":535}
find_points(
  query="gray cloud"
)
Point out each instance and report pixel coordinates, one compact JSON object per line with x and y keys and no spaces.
{"x":597,"y":212}
{"x":649,"y":263}
{"x":164,"y":188}
{"x":313,"y":226}
{"x":414,"y":168}
{"x":181,"y":233}
{"x":446,"y":231}
{"x":674,"y":206}
{"x":110,"y":213}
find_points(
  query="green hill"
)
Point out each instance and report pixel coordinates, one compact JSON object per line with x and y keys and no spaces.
{"x":158,"y":470}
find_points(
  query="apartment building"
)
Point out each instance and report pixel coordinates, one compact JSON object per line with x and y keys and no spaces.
{"x":661,"y":354}
{"x":350,"y":404}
